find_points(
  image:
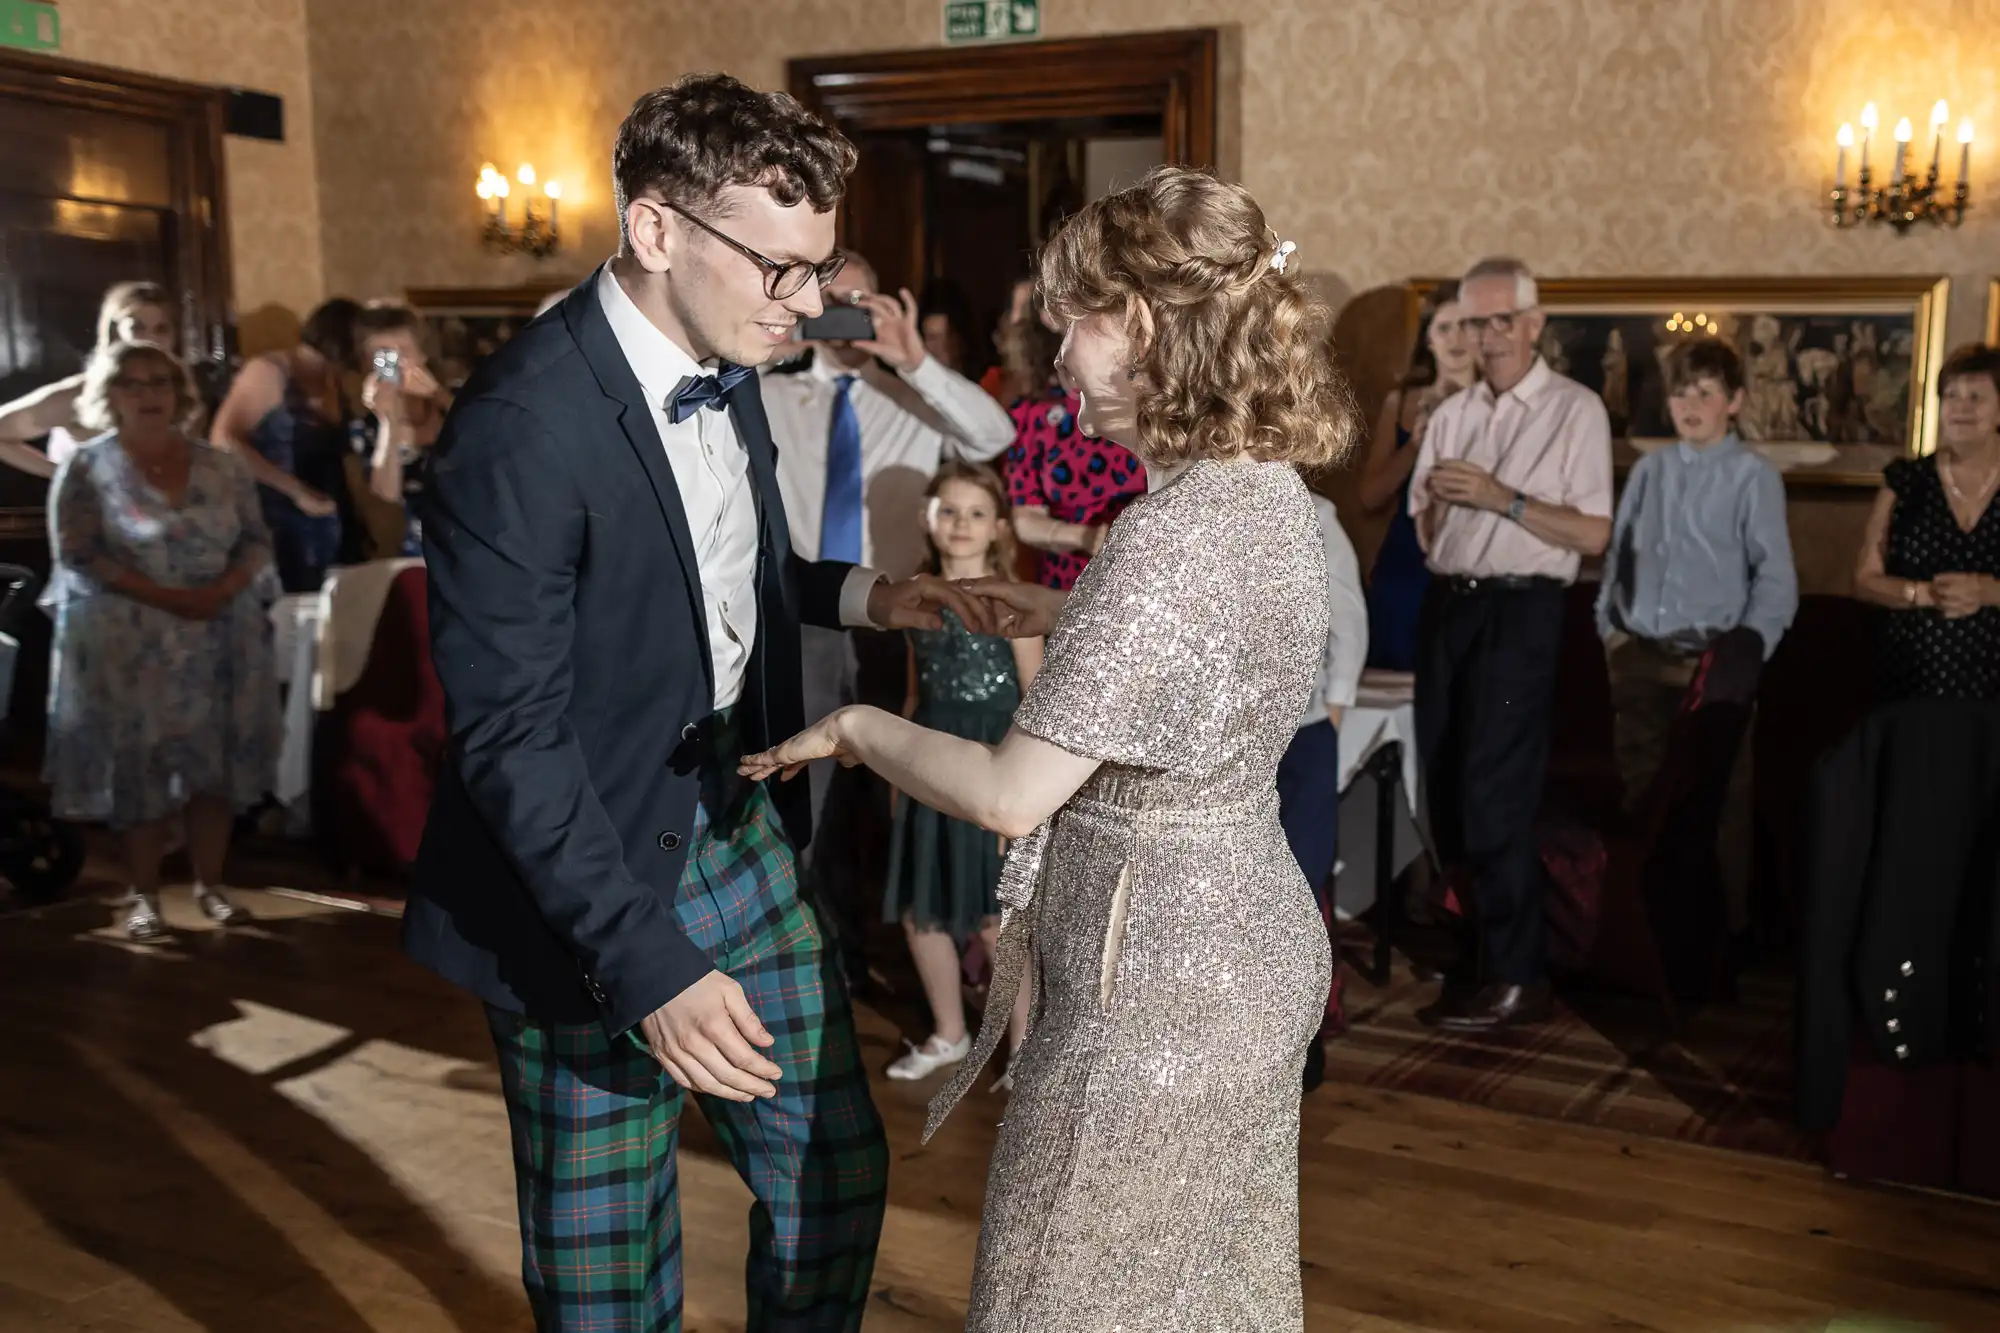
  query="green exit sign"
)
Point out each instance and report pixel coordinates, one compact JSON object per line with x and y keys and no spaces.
{"x":29,"y":26}
{"x":991,"y":20}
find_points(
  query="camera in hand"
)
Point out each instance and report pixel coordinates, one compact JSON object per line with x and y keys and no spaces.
{"x":839,"y":324}
{"x":389,"y":367}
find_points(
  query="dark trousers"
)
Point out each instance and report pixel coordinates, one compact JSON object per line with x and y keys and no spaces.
{"x":846,"y":864}
{"x":1486,"y":671}
{"x":1309,"y":810}
{"x":1309,"y":804}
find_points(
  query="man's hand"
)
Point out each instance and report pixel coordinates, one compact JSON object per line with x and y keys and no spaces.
{"x":1335,"y":712}
{"x":1960,"y":595}
{"x":704,"y":1039}
{"x":915,"y":604}
{"x":898,"y":338}
{"x":1457,"y":482}
{"x":1020,"y":610}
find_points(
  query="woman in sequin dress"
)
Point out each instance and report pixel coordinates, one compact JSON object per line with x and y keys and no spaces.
{"x":1146,"y":1175}
{"x":1931,"y":556}
{"x":943,"y":872}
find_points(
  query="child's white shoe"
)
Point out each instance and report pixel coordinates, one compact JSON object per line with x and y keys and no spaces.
{"x":923,"y":1061}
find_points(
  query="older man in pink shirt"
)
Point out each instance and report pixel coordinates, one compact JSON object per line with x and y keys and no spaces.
{"x":1512,"y":488}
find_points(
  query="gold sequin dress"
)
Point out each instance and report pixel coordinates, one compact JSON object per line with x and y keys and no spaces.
{"x":1146,"y":1176}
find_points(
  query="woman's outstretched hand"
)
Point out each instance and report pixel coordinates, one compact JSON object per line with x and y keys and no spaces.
{"x":1020,"y":610}
{"x":822,"y":740}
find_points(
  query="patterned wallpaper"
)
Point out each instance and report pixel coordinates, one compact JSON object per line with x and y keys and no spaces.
{"x":1388,"y":137}
{"x":273,"y":188}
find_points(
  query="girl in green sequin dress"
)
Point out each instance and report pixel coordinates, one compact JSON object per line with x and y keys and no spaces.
{"x":942,"y":871}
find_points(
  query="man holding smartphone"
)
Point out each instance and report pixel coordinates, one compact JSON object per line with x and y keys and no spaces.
{"x":860,"y":433}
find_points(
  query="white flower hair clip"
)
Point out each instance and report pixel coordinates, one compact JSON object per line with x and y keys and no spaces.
{"x":1286,"y":250}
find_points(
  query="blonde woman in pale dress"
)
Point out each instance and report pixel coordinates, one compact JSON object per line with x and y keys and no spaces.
{"x":1146,"y":1176}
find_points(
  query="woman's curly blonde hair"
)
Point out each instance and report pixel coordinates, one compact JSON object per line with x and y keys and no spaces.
{"x":106,"y":364}
{"x":1238,"y":362}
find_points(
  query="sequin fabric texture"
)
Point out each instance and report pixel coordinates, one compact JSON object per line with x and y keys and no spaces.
{"x":956,"y":666}
{"x":1146,"y":1176}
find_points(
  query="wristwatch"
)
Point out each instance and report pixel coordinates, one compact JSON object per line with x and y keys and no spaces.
{"x":1518,"y":507}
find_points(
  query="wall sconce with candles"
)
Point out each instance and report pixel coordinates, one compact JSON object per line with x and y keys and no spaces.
{"x":1906,"y":200}
{"x":540,"y":230}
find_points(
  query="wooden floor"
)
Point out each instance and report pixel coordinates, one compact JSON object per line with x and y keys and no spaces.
{"x":291,"y":1128}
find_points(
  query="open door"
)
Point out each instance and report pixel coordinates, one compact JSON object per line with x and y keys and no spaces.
{"x":105,"y":177}
{"x":971,"y":157}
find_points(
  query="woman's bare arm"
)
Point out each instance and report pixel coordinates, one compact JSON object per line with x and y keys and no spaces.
{"x":1009,"y":788}
{"x":1035,"y":528}
{"x":1871,"y":582}
{"x":259,"y":387}
{"x":1386,"y":467}
{"x":34,"y":415}
{"x":1027,"y":660}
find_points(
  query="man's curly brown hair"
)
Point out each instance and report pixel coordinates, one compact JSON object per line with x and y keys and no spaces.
{"x":685,"y":143}
{"x":1238,"y":362}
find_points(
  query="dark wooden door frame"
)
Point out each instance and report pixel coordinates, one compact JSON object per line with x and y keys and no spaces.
{"x":1171,"y":75}
{"x":194,"y":116}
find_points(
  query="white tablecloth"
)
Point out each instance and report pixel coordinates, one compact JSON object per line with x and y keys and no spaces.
{"x":1384,"y":712}
{"x":295,"y":621}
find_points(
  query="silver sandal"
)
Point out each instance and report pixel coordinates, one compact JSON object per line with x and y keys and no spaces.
{"x":142,"y":922}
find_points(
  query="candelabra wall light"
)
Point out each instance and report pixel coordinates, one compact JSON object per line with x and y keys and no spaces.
{"x":539,"y":232}
{"x":1907,"y":199}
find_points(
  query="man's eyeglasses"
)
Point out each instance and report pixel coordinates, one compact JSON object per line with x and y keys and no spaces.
{"x":1501,"y":323}
{"x":780,"y":280}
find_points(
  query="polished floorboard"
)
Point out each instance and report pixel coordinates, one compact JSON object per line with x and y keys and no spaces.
{"x":288,"y":1127}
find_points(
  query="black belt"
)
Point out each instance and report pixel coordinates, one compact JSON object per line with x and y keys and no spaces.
{"x":1464,"y":584}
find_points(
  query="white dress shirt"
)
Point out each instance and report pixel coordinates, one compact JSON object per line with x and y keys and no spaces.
{"x":908,"y":421}
{"x":712,"y":472}
{"x":1346,"y":621}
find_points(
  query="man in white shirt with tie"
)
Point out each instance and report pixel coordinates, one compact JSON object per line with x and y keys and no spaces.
{"x":860,"y":433}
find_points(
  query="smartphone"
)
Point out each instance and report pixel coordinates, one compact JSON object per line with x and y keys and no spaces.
{"x":389,"y":367}
{"x":839,"y":324}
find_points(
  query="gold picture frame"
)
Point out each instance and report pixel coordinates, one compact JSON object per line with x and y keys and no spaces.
{"x":1993,"y":313}
{"x":1842,"y":371}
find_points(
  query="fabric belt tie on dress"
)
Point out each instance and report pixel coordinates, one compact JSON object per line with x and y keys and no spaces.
{"x":1020,"y":883}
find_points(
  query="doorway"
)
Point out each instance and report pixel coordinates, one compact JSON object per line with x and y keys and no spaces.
{"x":105,"y":177}
{"x":970,"y":158}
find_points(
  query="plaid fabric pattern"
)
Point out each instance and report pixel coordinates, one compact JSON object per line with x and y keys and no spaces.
{"x":595,"y":1121}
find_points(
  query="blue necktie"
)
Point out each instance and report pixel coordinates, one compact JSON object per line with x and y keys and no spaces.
{"x":699,"y":391}
{"x":840,"y":522}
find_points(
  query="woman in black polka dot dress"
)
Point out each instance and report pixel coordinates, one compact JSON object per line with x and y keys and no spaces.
{"x":1932,"y":553}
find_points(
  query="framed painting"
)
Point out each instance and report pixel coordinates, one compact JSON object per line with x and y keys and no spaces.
{"x":1840,"y":373}
{"x":468,"y":324}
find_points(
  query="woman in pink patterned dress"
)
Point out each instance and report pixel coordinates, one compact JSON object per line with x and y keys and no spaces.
{"x":1064,"y":486}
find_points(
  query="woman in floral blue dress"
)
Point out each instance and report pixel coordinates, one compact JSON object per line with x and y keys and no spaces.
{"x":163,"y":704}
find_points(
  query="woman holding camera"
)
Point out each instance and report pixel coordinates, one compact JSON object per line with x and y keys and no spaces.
{"x":408,"y":405}
{"x":163,"y":705}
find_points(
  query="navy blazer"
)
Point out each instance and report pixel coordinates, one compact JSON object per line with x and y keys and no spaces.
{"x":568,"y":631}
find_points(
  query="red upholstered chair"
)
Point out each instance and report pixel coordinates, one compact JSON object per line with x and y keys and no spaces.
{"x":376,"y":751}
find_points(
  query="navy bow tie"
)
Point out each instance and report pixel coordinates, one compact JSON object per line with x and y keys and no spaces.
{"x":699,"y":391}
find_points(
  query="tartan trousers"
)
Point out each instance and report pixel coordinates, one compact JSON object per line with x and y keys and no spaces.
{"x":595,"y":1121}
